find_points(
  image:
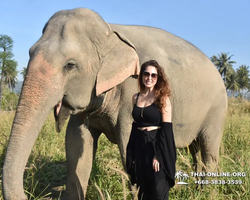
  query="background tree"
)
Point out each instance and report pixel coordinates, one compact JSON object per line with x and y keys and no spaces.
{"x":24,"y":71}
{"x":10,"y":74}
{"x":8,"y":66}
{"x":232,"y":83}
{"x":243,"y":78}
{"x":223,"y":63}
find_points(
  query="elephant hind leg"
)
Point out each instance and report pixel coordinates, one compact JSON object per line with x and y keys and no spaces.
{"x":81,"y":145}
{"x":211,"y":136}
{"x":194,"y":149}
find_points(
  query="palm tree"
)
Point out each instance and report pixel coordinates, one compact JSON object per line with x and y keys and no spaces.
{"x":24,"y":71}
{"x":223,"y":63}
{"x":10,"y":74}
{"x":232,"y":82}
{"x":243,"y":78}
{"x":6,"y":44}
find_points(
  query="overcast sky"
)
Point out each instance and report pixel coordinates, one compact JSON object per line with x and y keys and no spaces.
{"x":213,"y":26}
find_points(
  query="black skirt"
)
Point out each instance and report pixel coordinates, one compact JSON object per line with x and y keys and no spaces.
{"x":142,"y":147}
{"x":155,"y":191}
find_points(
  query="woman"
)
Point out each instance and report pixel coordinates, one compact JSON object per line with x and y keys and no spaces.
{"x":151,"y":153}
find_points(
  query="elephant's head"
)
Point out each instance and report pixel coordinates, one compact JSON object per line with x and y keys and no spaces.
{"x":76,"y":60}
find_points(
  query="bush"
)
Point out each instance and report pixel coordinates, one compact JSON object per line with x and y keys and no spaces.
{"x":9,"y":100}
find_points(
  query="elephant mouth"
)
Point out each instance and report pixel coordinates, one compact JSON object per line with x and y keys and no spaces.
{"x":61,"y":113}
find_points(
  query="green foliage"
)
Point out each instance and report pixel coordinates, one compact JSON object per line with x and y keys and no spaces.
{"x":9,"y":100}
{"x":235,"y":81}
{"x":8,"y":71}
{"x":24,"y":71}
{"x":243,"y":77}
{"x":45,"y":174}
{"x":224,"y":63}
{"x":232,"y":81}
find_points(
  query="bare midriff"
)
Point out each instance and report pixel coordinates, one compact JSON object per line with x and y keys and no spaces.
{"x":149,"y":128}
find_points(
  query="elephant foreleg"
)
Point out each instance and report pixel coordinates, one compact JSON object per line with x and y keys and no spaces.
{"x":81,"y":145}
{"x":122,"y":141}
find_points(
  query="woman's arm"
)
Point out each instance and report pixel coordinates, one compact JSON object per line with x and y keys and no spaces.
{"x":167,"y":111}
{"x":166,"y":117}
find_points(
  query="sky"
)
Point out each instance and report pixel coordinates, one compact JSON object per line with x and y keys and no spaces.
{"x":214,"y":26}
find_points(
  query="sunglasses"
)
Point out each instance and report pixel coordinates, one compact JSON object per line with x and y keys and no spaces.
{"x":153,"y":75}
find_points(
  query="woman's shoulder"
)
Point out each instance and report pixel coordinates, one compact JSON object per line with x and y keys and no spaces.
{"x":167,"y":106}
{"x":167,"y":99}
{"x":134,"y":97}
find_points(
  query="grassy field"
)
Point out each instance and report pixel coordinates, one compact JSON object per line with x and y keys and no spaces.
{"x":45,"y":174}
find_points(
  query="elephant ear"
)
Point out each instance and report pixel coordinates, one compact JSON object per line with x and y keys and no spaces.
{"x":117,"y":65}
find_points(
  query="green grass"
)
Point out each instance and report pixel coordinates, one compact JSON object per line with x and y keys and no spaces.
{"x":45,"y":174}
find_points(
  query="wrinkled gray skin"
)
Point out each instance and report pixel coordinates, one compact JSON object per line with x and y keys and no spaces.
{"x":83,"y":62}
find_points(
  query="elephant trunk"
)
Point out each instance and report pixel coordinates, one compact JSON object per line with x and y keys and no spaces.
{"x":36,"y":102}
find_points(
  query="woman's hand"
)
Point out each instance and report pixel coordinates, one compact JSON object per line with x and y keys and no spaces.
{"x":156,"y":164}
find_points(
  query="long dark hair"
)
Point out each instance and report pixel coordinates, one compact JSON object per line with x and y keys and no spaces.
{"x":162,"y":87}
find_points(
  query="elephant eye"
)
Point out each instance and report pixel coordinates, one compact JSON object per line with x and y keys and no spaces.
{"x":70,"y":65}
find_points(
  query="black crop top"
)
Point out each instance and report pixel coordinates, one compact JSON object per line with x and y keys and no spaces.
{"x":151,"y":115}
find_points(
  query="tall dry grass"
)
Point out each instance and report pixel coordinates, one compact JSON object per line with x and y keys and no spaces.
{"x":45,"y":174}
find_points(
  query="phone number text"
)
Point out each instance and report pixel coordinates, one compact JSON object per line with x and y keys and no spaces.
{"x":218,"y":182}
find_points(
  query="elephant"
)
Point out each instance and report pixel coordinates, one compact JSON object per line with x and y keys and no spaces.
{"x":86,"y":71}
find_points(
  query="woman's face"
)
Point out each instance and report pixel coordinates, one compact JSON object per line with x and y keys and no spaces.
{"x":149,"y":77}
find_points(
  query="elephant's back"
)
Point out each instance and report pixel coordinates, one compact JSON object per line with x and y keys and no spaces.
{"x":147,"y":38}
